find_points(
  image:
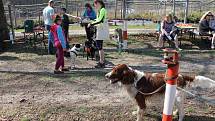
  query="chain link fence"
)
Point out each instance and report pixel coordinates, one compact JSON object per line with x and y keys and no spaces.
{"x":135,"y":9}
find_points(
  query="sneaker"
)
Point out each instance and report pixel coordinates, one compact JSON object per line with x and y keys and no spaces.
{"x":100,"y":65}
{"x":58,"y":72}
{"x":212,"y":47}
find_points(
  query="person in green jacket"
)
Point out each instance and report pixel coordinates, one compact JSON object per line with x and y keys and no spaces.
{"x":100,"y":21}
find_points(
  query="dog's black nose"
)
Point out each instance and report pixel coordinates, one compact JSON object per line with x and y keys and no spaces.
{"x":107,"y":75}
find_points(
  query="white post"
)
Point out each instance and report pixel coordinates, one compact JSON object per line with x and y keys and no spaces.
{"x":171,"y":83}
{"x":169,"y":102}
{"x":186,"y":11}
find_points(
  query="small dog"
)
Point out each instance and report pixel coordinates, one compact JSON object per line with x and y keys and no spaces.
{"x":90,"y":49}
{"x":118,"y":37}
{"x":74,"y":53}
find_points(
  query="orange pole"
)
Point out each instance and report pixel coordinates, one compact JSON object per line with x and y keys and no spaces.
{"x":125,"y":34}
{"x":171,"y":83}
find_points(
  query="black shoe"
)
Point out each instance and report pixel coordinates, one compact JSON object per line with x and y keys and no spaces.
{"x":100,"y":65}
{"x":65,"y":69}
{"x":58,"y":72}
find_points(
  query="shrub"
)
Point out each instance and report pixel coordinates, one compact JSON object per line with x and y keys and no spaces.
{"x":194,"y":17}
{"x":148,"y":16}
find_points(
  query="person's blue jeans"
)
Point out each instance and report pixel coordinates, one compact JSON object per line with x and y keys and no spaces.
{"x":51,"y":49}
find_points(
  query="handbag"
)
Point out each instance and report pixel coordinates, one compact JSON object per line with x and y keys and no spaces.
{"x":102,"y":32}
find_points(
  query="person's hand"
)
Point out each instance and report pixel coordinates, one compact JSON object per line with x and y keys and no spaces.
{"x":78,"y":18}
{"x":88,"y":26}
{"x":65,"y":50}
{"x":169,"y":37}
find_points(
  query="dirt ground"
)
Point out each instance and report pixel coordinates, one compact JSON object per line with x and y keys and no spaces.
{"x":29,"y":91}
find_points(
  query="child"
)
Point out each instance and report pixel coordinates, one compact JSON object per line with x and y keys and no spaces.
{"x":57,"y":37}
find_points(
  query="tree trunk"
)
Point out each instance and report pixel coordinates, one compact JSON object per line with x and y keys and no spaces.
{"x":3,"y":25}
{"x":3,"y":22}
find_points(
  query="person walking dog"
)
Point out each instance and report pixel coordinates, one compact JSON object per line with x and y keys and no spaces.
{"x":58,"y":38}
{"x":102,"y":32}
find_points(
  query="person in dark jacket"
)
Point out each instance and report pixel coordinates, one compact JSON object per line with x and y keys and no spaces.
{"x":168,"y":32}
{"x":65,"y":24}
{"x":205,"y":29}
{"x":90,"y":14}
{"x":204,"y":25}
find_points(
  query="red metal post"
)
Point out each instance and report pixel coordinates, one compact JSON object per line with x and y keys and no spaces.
{"x":171,"y":82}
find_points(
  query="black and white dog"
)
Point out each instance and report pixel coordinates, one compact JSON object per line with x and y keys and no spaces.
{"x":74,"y":53}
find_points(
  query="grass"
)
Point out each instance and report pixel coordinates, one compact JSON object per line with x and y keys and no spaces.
{"x":147,"y":26}
{"x":83,"y":109}
{"x":77,"y":27}
{"x":19,"y":30}
{"x":25,"y":119}
{"x":190,"y":110}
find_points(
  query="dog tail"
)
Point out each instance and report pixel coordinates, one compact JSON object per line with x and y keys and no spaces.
{"x":203,"y":82}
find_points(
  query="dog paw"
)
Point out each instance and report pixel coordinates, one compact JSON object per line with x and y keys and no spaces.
{"x":72,"y":68}
{"x":175,"y":113}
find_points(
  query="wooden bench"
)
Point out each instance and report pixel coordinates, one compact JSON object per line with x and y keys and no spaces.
{"x":205,"y":38}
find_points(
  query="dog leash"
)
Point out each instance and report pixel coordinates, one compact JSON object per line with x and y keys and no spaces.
{"x":151,"y":93}
{"x":200,"y":98}
{"x":147,"y":94}
{"x":159,"y":89}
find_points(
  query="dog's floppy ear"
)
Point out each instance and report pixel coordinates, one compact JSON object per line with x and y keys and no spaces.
{"x":128,"y":77}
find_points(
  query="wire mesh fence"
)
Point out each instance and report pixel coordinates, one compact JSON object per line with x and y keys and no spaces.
{"x":135,"y":9}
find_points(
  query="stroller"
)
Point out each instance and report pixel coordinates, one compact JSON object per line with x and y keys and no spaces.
{"x":90,"y":44}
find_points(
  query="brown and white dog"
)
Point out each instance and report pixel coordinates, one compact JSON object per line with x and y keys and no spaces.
{"x":142,"y":86}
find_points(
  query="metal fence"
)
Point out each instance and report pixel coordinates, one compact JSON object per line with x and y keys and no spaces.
{"x":137,"y":9}
{"x":20,"y":13}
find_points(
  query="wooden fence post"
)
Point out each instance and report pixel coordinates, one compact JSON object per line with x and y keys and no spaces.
{"x":11,"y":21}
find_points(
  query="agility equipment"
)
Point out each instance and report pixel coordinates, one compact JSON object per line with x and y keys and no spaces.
{"x":171,"y":59}
{"x":125,"y":34}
